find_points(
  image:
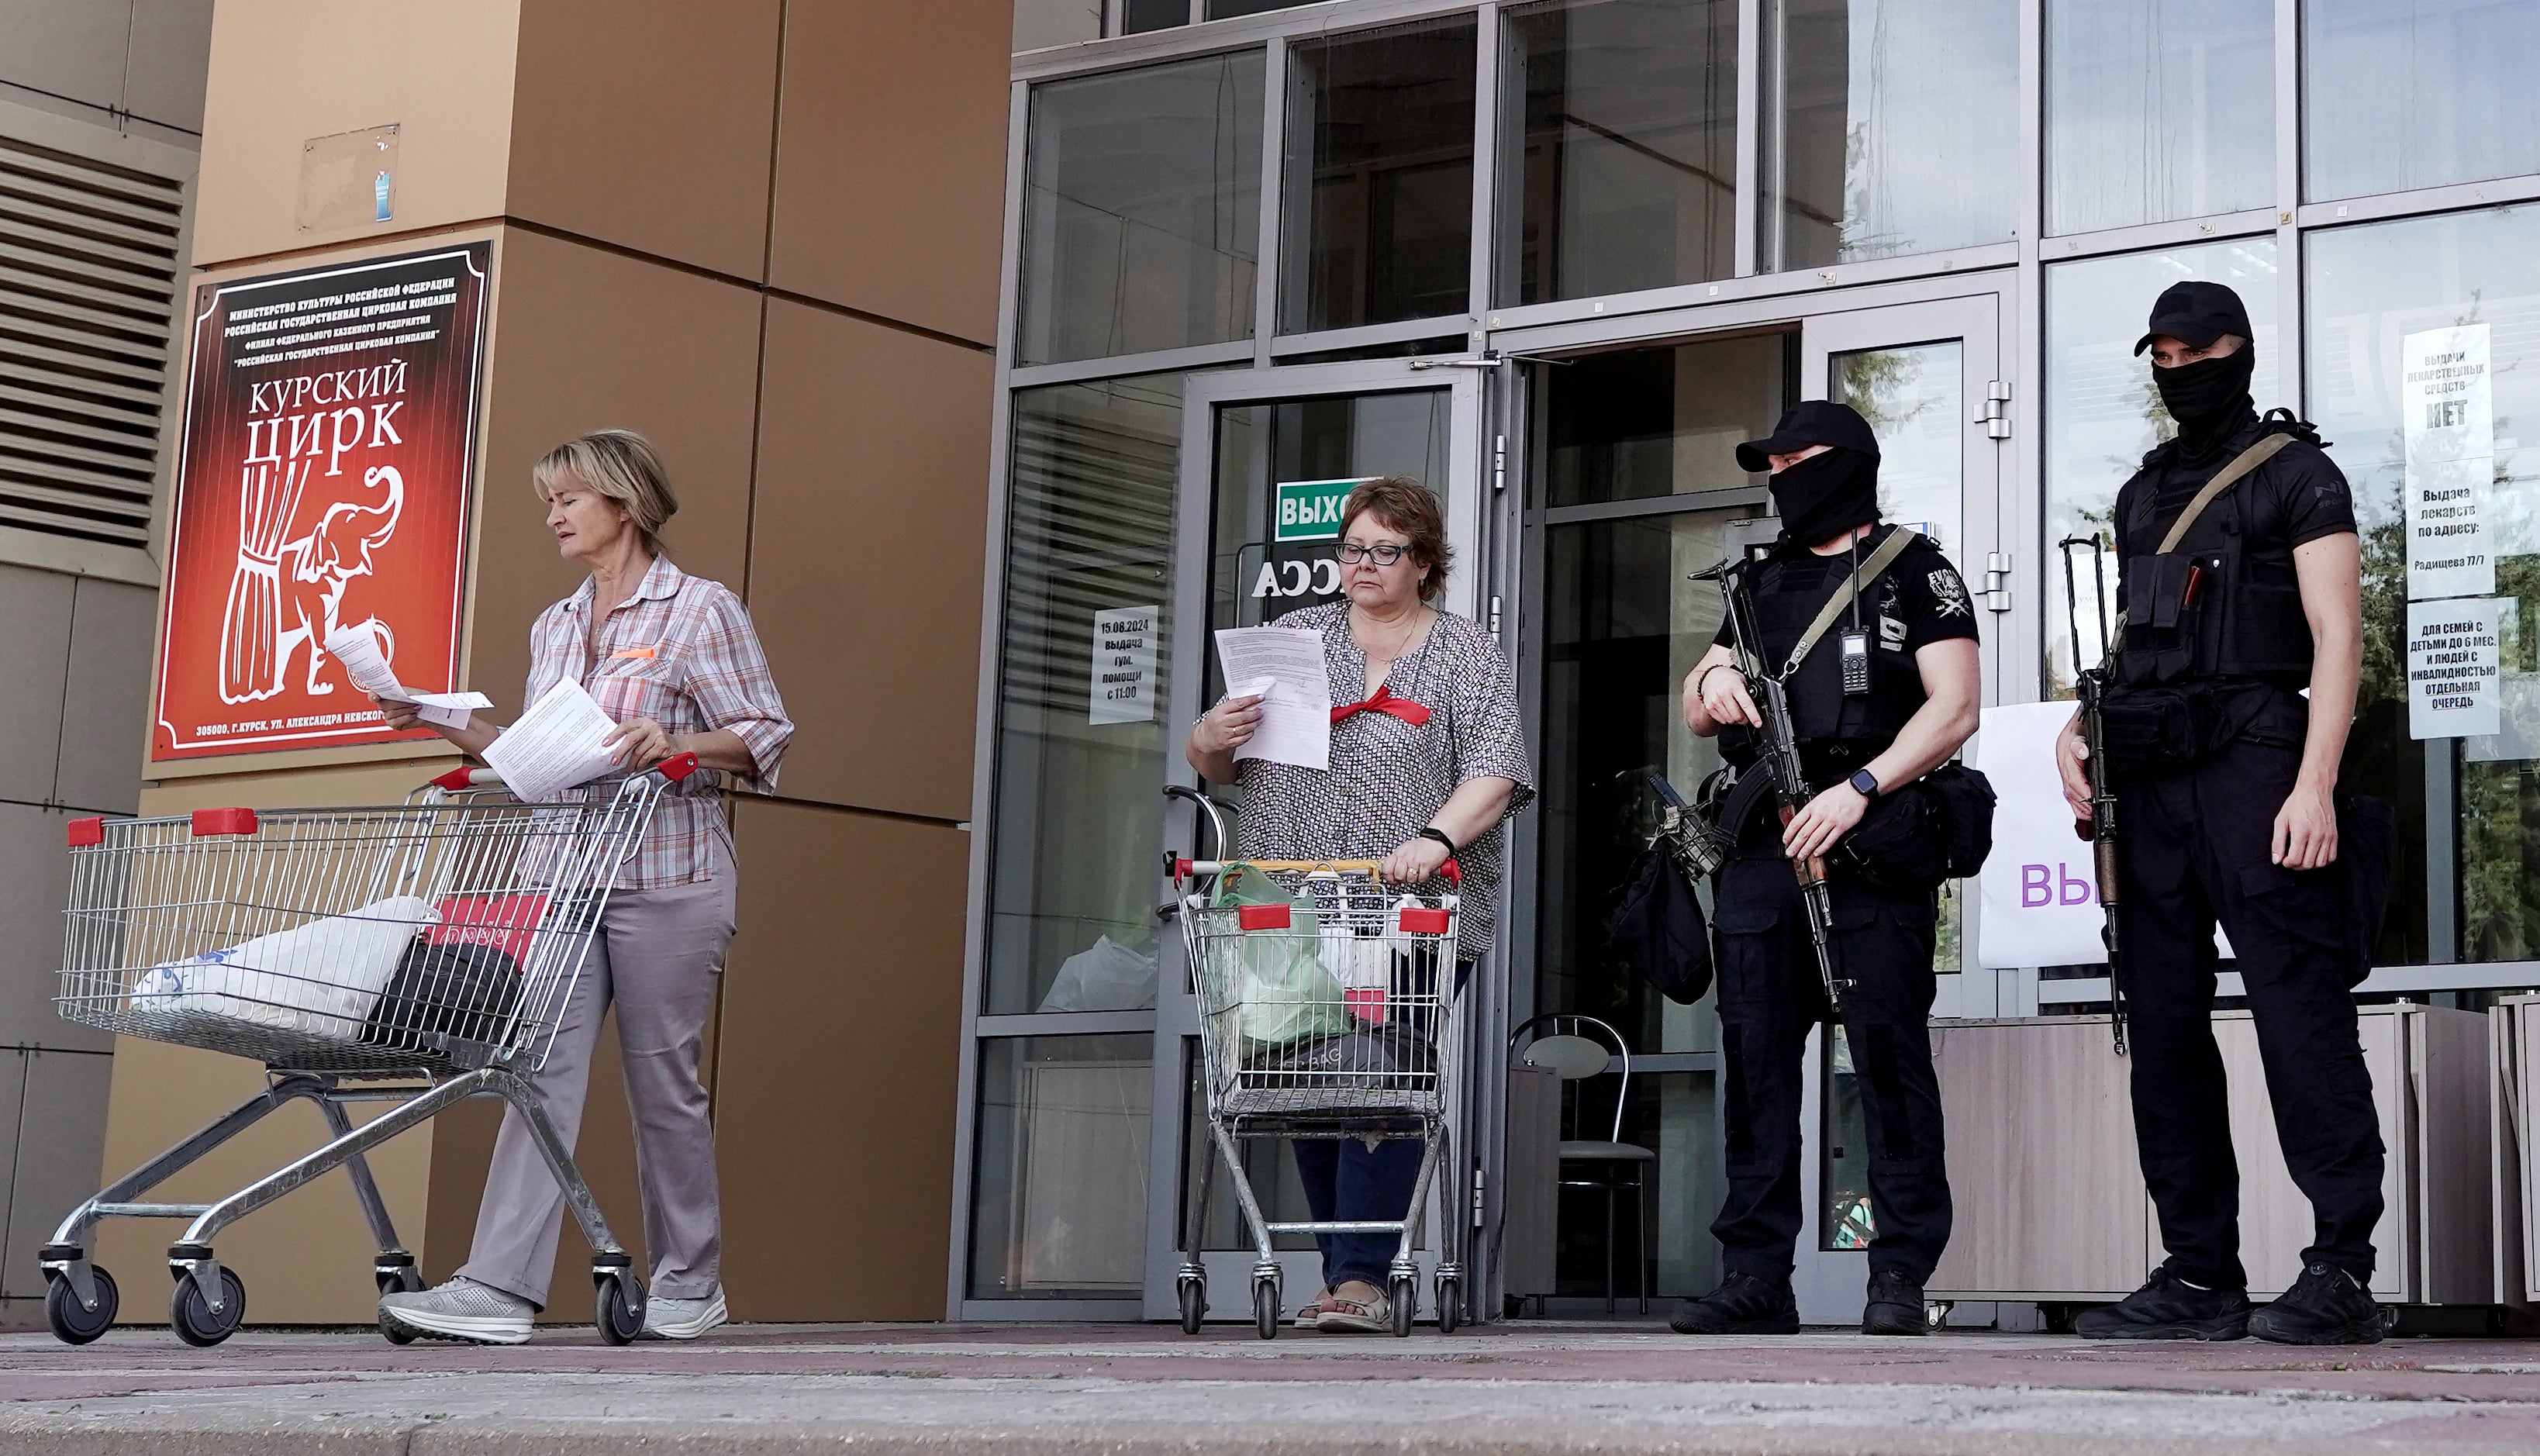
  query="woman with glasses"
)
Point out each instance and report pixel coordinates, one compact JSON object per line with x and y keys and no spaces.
{"x":1427,"y":758}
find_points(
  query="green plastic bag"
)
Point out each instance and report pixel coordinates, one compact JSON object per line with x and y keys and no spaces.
{"x":1272,"y":982}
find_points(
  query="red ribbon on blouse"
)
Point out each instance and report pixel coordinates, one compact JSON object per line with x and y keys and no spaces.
{"x":1383,"y":701}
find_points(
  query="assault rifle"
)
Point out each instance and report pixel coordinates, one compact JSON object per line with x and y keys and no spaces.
{"x":1781,"y":758}
{"x":2100,"y":829}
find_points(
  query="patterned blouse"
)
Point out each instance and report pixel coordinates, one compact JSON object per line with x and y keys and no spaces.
{"x":1389,"y":779}
{"x":681,"y":651}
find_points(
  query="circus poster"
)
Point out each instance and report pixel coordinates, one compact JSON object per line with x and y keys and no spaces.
{"x":323,"y":481}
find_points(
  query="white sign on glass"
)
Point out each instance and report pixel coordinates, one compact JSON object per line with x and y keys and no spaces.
{"x":2447,"y":414}
{"x":1123,"y":686}
{"x":2453,"y":687}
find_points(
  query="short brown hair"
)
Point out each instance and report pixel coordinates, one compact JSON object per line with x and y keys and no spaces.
{"x":619,"y":465}
{"x":1405,"y":505}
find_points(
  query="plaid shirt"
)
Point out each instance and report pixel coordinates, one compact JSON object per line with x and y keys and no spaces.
{"x":679,"y":651}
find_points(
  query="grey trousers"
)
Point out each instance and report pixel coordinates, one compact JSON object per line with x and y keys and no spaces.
{"x":656,"y":957}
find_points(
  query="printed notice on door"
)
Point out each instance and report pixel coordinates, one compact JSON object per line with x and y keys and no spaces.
{"x":1124,"y":665}
{"x":2447,"y":407}
{"x":2454,"y":684}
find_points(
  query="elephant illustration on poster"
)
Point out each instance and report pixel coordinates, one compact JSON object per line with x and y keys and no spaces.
{"x":285,"y":595}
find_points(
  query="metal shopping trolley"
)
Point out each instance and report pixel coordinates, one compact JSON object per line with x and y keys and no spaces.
{"x":415,"y":955}
{"x":1328,"y":1008}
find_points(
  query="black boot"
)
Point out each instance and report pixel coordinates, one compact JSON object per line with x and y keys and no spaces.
{"x":1896,"y":1306}
{"x":2168,"y":1307}
{"x":1743,"y":1305}
{"x":2325,"y":1306}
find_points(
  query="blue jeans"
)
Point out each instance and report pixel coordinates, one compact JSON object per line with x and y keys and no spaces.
{"x":1346,"y":1180}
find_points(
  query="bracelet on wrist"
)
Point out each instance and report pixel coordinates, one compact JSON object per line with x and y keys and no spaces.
{"x":1432,"y":831}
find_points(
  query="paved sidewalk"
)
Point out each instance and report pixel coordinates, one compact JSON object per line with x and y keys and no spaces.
{"x":1058,"y":1391}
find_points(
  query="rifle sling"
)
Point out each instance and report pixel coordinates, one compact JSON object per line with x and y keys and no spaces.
{"x":1844,"y":593}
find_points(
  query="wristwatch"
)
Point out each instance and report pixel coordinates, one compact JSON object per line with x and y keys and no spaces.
{"x":1864,"y":782}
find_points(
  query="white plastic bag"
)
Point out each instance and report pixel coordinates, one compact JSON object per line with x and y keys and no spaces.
{"x":320,"y":979}
{"x":1105,"y":976}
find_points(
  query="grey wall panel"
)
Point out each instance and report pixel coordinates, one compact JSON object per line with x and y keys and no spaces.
{"x":69,"y":47}
{"x":35,"y":885}
{"x":172,"y":46}
{"x":34,"y":654}
{"x":106,"y":698}
{"x":60,"y":1127}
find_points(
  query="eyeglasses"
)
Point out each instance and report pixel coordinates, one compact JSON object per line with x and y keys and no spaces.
{"x":1383,"y":553}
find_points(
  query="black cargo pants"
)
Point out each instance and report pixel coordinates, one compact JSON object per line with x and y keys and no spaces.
{"x":1770,"y":1000}
{"x":2194,"y":845}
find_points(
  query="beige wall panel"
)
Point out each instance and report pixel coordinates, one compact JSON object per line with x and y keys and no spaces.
{"x":286,"y":71}
{"x":891,"y":159}
{"x":647,"y":123}
{"x":307,"y":1259}
{"x":864,"y":576}
{"x":842,"y":1025}
{"x":589,"y":339}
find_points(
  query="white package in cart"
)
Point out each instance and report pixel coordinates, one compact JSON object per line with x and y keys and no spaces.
{"x":320,"y":979}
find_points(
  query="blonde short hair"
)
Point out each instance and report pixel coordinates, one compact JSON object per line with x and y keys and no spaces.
{"x":618,"y":464}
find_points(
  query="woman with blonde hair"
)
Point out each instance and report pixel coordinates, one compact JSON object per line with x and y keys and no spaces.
{"x":672,"y":659}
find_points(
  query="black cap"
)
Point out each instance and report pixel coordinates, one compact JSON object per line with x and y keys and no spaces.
{"x":2196,"y":313}
{"x":1809,"y":422}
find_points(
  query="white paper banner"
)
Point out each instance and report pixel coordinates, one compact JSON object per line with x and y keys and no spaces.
{"x":1123,"y":689}
{"x":2453,"y":690}
{"x":2448,"y":410}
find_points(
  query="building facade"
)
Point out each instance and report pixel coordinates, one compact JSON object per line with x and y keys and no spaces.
{"x":1553,"y":259}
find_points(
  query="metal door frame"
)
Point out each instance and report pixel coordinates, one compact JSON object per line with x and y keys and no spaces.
{"x":1473,"y":531}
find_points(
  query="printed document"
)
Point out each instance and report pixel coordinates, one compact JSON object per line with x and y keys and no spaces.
{"x":1284,"y":667}
{"x":558,"y":744}
{"x":359,"y":652}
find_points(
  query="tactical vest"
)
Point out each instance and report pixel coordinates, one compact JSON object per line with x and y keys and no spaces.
{"x":2227,"y":604}
{"x":1821,"y":714}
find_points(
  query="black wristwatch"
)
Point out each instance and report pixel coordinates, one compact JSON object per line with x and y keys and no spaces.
{"x":1864,"y":782}
{"x":1433,"y":832}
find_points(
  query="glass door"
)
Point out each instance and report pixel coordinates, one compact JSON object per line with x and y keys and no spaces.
{"x":1267,"y":456}
{"x":1928,"y":377}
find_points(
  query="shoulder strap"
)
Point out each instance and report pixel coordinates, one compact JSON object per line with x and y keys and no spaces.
{"x":2229,"y":476}
{"x":1848,"y":588}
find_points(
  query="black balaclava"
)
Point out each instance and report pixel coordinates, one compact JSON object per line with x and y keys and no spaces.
{"x":1826,"y":495}
{"x":2208,"y":399}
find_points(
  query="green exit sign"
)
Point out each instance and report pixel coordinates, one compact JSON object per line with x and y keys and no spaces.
{"x":1311,"y":510}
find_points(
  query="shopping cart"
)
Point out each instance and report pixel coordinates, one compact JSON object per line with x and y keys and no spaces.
{"x":415,"y":955}
{"x":1327,"y":1009}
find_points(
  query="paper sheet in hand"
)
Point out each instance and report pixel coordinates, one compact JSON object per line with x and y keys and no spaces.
{"x":558,"y":744}
{"x":359,"y":652}
{"x":1284,"y":666}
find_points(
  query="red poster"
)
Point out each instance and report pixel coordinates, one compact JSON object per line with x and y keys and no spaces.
{"x":323,"y":482}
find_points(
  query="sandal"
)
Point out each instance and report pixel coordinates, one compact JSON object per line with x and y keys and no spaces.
{"x":1310,"y":1316}
{"x":1343,"y":1316}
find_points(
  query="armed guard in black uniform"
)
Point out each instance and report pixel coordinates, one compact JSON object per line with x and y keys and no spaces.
{"x":1883,"y":693}
{"x":2225,"y":808}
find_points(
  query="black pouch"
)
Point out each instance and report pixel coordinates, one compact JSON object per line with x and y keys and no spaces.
{"x":1936,"y":829}
{"x":1660,"y":932}
{"x":2148,"y":727}
{"x":443,"y":994}
{"x":2161,"y":624}
{"x":2364,"y":842}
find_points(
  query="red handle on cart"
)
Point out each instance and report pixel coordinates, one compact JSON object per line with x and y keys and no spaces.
{"x":88,"y":831}
{"x":223,"y":821}
{"x":1183,"y":869}
{"x":676,"y":767}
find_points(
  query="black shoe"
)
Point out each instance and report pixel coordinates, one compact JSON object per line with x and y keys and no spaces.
{"x":2168,"y":1307}
{"x":1896,"y":1306}
{"x":1743,"y":1305}
{"x":2325,"y":1306}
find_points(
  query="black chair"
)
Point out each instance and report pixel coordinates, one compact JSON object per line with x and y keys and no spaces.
{"x":1560,"y":1043}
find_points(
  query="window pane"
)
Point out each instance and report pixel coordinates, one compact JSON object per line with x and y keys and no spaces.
{"x":1141,"y":210}
{"x":1624,"y":624}
{"x":1913,"y":397}
{"x":2157,"y":110}
{"x":1660,"y":422}
{"x":2369,"y":289}
{"x":1060,"y":1203}
{"x":1139,"y":16}
{"x":1039,"y":23}
{"x":1080,"y":747}
{"x":2101,"y":412}
{"x":1379,"y":191}
{"x":1898,"y":121}
{"x":1218,"y":10}
{"x":1630,"y":170}
{"x":2402,"y":94}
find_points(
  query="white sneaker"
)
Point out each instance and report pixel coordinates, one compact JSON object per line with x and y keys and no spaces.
{"x":682,"y":1319}
{"x":464,"y":1310}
